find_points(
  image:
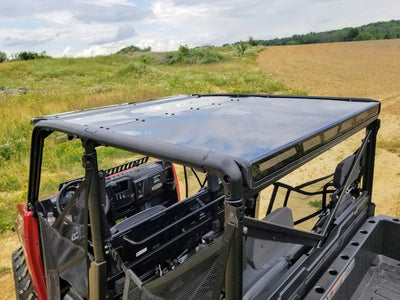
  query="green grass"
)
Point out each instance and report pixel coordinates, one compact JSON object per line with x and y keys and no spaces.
{"x":4,"y":270}
{"x":65,"y":84}
{"x":8,"y":203}
{"x":392,"y":145}
{"x":315,"y":203}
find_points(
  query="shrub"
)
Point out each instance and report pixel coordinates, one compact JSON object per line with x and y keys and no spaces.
{"x":183,"y":53}
{"x":241,"y":48}
{"x":3,"y":57}
{"x":145,"y":59}
{"x":253,"y":42}
{"x":194,"y":56}
{"x":133,"y":48}
{"x":26,"y":55}
{"x":135,"y":70}
{"x":11,"y":148}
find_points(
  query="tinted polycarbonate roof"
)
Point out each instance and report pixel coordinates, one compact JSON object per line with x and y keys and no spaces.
{"x":245,"y":127}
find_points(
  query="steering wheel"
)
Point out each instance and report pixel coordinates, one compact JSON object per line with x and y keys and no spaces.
{"x":68,"y":190}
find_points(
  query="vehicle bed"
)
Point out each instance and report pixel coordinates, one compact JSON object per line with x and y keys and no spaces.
{"x":368,"y":267}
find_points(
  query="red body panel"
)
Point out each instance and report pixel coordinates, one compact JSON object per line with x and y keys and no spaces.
{"x":178,"y":192}
{"x":29,"y":235}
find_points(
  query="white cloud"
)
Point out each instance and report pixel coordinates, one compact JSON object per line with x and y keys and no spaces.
{"x":93,"y":51}
{"x":92,"y":27}
{"x":109,"y":12}
{"x":162,"y":45}
{"x":58,"y":17}
{"x":83,"y":10}
{"x":109,"y":3}
{"x":123,"y":32}
{"x":104,"y":49}
{"x":66,"y":52}
{"x":39,"y":37}
{"x":167,"y":11}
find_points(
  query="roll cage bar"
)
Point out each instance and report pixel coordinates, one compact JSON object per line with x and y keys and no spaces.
{"x":235,"y":195}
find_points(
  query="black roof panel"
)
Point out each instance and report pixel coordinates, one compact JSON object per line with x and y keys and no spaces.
{"x":247,"y":127}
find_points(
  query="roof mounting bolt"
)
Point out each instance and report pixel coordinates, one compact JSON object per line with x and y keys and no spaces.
{"x":245,"y":230}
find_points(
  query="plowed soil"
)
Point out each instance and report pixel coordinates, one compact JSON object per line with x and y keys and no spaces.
{"x":369,"y":69}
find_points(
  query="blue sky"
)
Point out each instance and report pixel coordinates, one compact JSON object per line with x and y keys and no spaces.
{"x":95,"y":27}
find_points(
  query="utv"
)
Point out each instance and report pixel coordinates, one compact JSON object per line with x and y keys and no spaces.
{"x":128,"y":223}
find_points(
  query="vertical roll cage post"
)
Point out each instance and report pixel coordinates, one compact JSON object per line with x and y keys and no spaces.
{"x":97,"y":273}
{"x":98,"y":267}
{"x":370,"y":158}
{"x":37,"y":143}
{"x":230,"y":174}
{"x":367,"y":148}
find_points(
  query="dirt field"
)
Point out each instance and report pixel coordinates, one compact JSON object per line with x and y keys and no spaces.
{"x":356,"y":69}
{"x":9,"y":242}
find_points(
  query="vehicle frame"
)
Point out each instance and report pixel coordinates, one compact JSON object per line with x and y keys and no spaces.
{"x":222,"y":127}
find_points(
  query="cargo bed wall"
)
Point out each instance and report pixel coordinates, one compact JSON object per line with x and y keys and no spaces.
{"x":368,"y":267}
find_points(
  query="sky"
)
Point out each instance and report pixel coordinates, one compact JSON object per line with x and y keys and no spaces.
{"x":77,"y":28}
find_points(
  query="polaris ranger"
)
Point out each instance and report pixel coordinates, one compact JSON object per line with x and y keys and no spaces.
{"x":126,"y":229}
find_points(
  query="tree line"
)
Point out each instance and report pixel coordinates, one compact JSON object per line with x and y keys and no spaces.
{"x":372,"y":31}
{"x":25,"y":55}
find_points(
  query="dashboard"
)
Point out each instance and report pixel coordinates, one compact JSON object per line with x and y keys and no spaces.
{"x":129,"y":189}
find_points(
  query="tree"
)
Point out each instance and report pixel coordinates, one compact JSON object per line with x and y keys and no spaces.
{"x":133,"y":48}
{"x":352,"y":33}
{"x":27,"y":55}
{"x":393,"y":33}
{"x":183,"y":51}
{"x":241,"y":47}
{"x":253,"y":42}
{"x":364,"y":36}
{"x":292,"y":42}
{"x":372,"y":31}
{"x":3,"y":57}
